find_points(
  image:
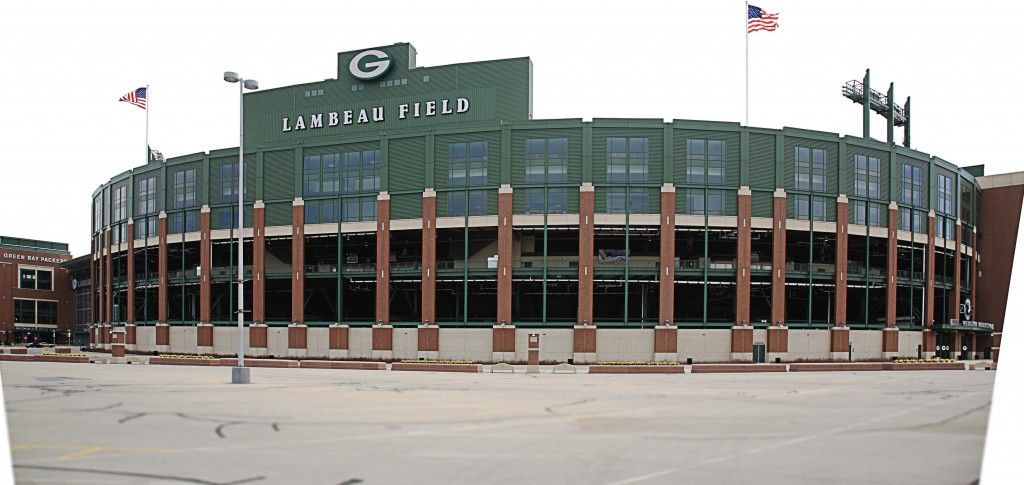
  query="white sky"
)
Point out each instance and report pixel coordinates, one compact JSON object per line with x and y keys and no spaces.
{"x":65,"y":64}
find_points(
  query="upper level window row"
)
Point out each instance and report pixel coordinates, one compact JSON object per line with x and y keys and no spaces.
{"x":810,"y":170}
{"x":146,"y":195}
{"x":120,"y":204}
{"x":355,"y":172}
{"x":547,"y":160}
{"x":705,"y":162}
{"x":913,"y":185}
{"x":35,"y":279}
{"x":944,"y":194}
{"x":184,"y":190}
{"x":628,"y":160}
{"x":467,"y":164}
{"x":866,"y":174}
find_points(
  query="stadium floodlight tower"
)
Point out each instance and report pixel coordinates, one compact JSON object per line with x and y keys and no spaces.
{"x":240,"y":374}
{"x":861,"y":93}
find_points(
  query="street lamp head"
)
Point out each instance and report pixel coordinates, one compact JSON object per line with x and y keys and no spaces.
{"x":231,"y":77}
{"x":251,"y":84}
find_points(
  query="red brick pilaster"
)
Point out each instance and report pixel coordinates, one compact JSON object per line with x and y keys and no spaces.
{"x":586,"y":263}
{"x":383,"y":311}
{"x":204,"y":335}
{"x":108,"y":285}
{"x":890,"y":341}
{"x":742,"y":340}
{"x":129,"y":334}
{"x":743,"y":198}
{"x":842,"y":245}
{"x":503,"y":338}
{"x":840,"y":340}
{"x":953,"y":300}
{"x":204,"y":265}
{"x":584,"y":339}
{"x":298,"y":261}
{"x":258,"y":247}
{"x":258,"y":336}
{"x":99,"y":284}
{"x":929,"y":279}
{"x":778,"y":339}
{"x":297,"y":336}
{"x":426,"y":338}
{"x":779,"y":258}
{"x":161,"y":294}
{"x":504,"y":255}
{"x":382,"y":337}
{"x":890,"y":270}
{"x":666,"y":339}
{"x":667,"y":273}
{"x":338,"y":337}
{"x":429,"y":271}
{"x":130,"y":288}
{"x":974,"y":275}
{"x":93,"y":277}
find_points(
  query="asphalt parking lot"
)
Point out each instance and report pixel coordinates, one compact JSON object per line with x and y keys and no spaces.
{"x":123,"y":424}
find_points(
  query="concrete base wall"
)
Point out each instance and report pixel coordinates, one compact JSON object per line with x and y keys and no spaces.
{"x":809,"y":345}
{"x":476,"y":344}
{"x":705,"y":345}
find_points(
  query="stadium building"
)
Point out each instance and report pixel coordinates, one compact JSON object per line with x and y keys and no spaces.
{"x":37,"y":293}
{"x":400,"y":211}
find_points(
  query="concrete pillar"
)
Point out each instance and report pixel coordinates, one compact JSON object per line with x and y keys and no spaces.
{"x":161,"y":293}
{"x":130,"y":288}
{"x":667,"y":260}
{"x":429,"y":258}
{"x":585,"y":313}
{"x":890,"y":271}
{"x":742,"y":347}
{"x":258,"y":340}
{"x":259,"y":245}
{"x":743,"y":256}
{"x":666,"y":342}
{"x":779,"y":258}
{"x":503,"y":343}
{"x":337,"y":336}
{"x":297,"y":345}
{"x":205,"y":250}
{"x":840,"y":343}
{"x":382,"y":342}
{"x":842,"y":258}
{"x":427,"y":341}
{"x":504,"y":296}
{"x":383,"y":293}
{"x":298,"y":260}
{"x":204,"y":338}
{"x":584,"y":343}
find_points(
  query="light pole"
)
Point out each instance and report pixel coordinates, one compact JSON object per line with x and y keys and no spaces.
{"x":240,"y":374}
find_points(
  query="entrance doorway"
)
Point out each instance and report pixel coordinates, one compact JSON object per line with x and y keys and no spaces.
{"x":759,"y":353}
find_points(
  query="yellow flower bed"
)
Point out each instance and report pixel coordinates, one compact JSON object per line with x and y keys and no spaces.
{"x":64,"y":355}
{"x":923,"y":361}
{"x":637,"y":363}
{"x":187,"y":356}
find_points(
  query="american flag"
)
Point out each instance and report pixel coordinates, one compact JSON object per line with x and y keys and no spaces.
{"x":758,"y":19}
{"x":136,"y":97}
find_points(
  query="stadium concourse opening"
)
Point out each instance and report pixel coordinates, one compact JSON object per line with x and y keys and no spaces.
{"x":404,"y":211}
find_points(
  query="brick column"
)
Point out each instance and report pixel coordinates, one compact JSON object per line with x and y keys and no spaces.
{"x":667,"y":274}
{"x":383,"y":311}
{"x":928,"y":335}
{"x":161,"y":294}
{"x":259,"y":243}
{"x":586,"y":263}
{"x":742,"y":345}
{"x":297,"y":343}
{"x":779,"y":258}
{"x":503,"y":343}
{"x":743,"y":199}
{"x":840,"y":343}
{"x":337,"y":337}
{"x":429,"y":257}
{"x":98,"y":285}
{"x":93,"y":277}
{"x":842,"y":258}
{"x":258,"y":339}
{"x":130,"y":289}
{"x":956,"y":348}
{"x":427,"y":341}
{"x":890,"y":270}
{"x":204,"y":266}
{"x":298,"y":260}
{"x":584,"y":343}
{"x":974,"y":273}
{"x":382,"y":342}
{"x":953,"y":301}
{"x":204,"y":338}
{"x":504,"y":254}
{"x":108,"y":285}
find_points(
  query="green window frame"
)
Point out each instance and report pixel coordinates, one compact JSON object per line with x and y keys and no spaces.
{"x":913,"y":185}
{"x":628,"y":160}
{"x":184,"y":189}
{"x":706,"y":162}
{"x":556,"y":201}
{"x":547,"y":160}
{"x":467,"y":164}
{"x":867,"y":175}
{"x":811,"y":169}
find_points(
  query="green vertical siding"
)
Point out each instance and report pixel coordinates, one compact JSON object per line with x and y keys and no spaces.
{"x":406,"y":163}
{"x":761,"y":204}
{"x":279,"y":175}
{"x":278,"y":214}
{"x":762,"y":161}
{"x":406,"y":206}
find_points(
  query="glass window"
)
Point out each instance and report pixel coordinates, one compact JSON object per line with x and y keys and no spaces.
{"x":716,"y":202}
{"x":803,"y":207}
{"x":24,"y":311}
{"x":46,"y":312}
{"x":628,"y":155}
{"x":467,"y":171}
{"x":44,"y":280}
{"x":616,"y":200}
{"x":534,"y":201}
{"x":97,"y":221}
{"x":695,"y":201}
{"x":184,"y":193}
{"x":705,"y":162}
{"x":147,"y":195}
{"x":28,"y":279}
{"x":475,"y":200}
{"x":867,"y":173}
{"x":944,"y":194}
{"x":120,"y":203}
{"x":547,"y":160}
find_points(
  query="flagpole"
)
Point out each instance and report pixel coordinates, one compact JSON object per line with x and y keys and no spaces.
{"x":147,"y":123}
{"x":746,"y":97}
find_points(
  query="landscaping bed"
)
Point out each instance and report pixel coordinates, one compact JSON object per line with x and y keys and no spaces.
{"x":437,"y":367}
{"x":708,"y":368}
{"x":333,"y":364}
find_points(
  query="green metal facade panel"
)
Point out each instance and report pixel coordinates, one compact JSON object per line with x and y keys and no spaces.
{"x":278,"y":214}
{"x":762,"y":161}
{"x":761,"y":204}
{"x":407,"y":206}
{"x":884,"y":185}
{"x":199,"y":186}
{"x":441,"y":159}
{"x":655,"y":151}
{"x":831,"y":161}
{"x":732,"y":153}
{"x":279,"y":175}
{"x":406,"y":163}
{"x":574,"y":137}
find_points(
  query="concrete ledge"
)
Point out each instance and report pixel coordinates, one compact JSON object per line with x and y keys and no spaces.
{"x":21,"y":357}
{"x":637,"y":369}
{"x":18,"y":351}
{"x":701,"y":368}
{"x":926,"y":366}
{"x":175,"y":361}
{"x":477,"y":368}
{"x":278,"y":363}
{"x":872,"y":366}
{"x":333,"y":364}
